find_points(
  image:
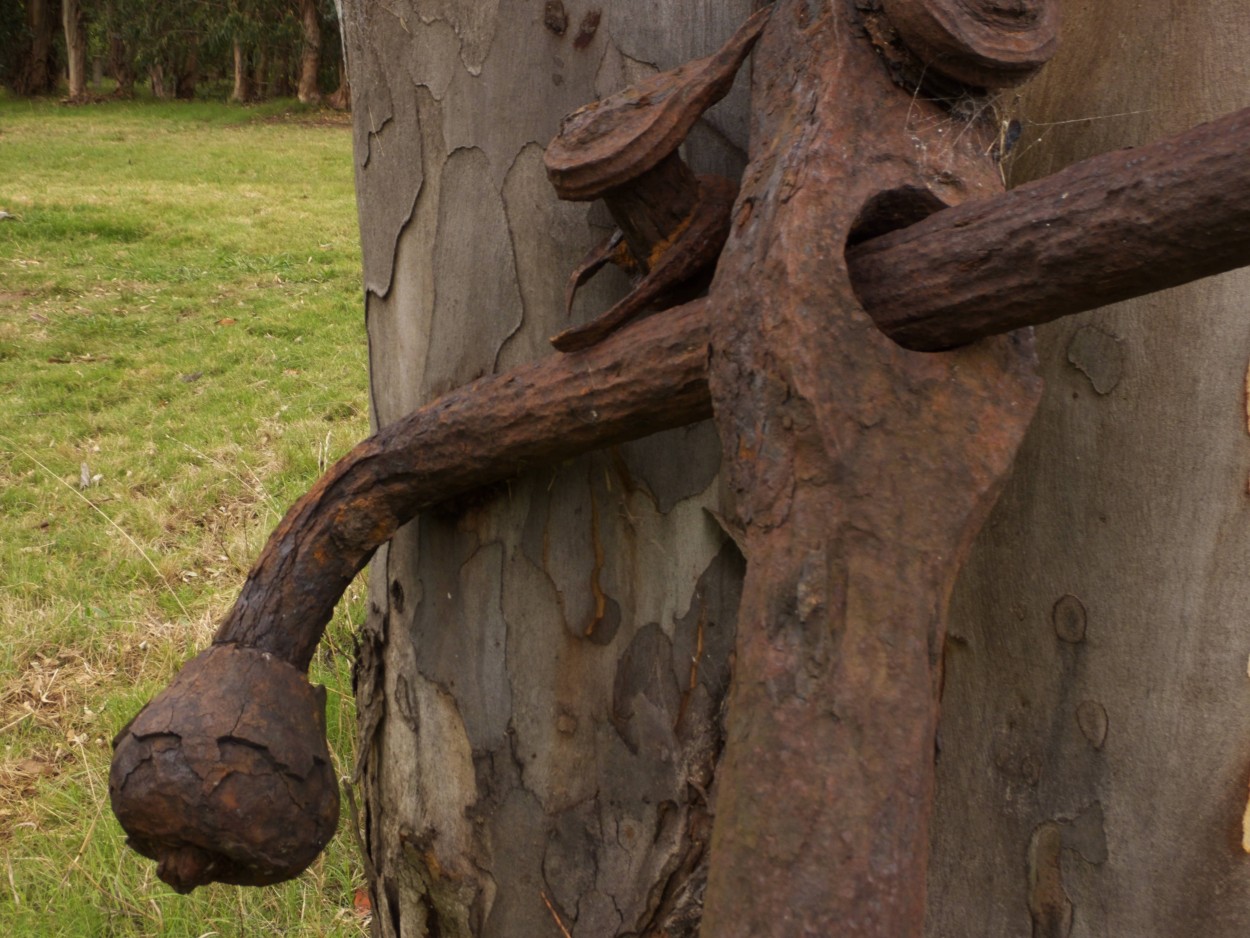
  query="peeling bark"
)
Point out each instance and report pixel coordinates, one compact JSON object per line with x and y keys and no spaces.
{"x":525,"y":753}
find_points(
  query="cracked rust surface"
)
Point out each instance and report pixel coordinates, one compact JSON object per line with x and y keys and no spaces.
{"x":858,"y":473}
{"x":239,"y":733}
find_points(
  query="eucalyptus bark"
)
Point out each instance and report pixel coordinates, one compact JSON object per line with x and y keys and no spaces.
{"x":75,"y":28}
{"x":310,"y":53}
{"x":542,"y":669}
{"x":1095,"y":737}
{"x":242,"y":91}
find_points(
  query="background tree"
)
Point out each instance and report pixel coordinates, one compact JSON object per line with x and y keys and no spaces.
{"x":73,"y":21}
{"x":117,"y":28}
{"x":310,"y":52}
{"x":265,"y":47}
{"x":30,"y":31}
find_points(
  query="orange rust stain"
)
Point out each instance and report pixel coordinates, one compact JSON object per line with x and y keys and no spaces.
{"x":1247,"y":399}
{"x":624,"y":258}
{"x":661,"y":247}
{"x":744,"y":213}
{"x":432,"y":865}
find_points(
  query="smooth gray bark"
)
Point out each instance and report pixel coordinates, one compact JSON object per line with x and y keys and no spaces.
{"x":75,"y":29}
{"x":1095,"y":738}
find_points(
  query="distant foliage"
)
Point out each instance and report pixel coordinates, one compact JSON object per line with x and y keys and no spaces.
{"x":245,"y":49}
{"x":14,"y":36}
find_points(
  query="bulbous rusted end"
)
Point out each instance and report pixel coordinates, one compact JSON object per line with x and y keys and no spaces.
{"x":982,"y":43}
{"x":225,"y":775}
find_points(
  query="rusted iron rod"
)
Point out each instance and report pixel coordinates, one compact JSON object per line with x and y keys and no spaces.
{"x":1140,"y":220}
{"x":224,"y":776}
{"x":1106,"y":229}
{"x":648,"y":378}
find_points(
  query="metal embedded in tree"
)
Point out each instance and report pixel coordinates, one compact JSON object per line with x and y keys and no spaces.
{"x":224,"y":776}
{"x":858,"y":473}
{"x":623,"y":149}
{"x":650,"y":376}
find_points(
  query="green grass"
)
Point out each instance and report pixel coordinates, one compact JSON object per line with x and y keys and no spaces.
{"x":181,"y":327}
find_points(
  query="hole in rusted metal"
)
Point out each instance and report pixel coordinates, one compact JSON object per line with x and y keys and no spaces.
{"x":885,"y":212}
{"x":891,"y":210}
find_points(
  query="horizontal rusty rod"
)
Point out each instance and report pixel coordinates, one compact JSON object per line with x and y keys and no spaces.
{"x":1106,"y":229}
{"x":647,"y":378}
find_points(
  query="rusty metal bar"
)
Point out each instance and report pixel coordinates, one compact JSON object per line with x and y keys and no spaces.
{"x":1106,"y":229}
{"x":953,"y":278}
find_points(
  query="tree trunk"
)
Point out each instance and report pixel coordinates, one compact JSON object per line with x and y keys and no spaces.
{"x":156,"y":76}
{"x":121,"y":57}
{"x":310,"y":55}
{"x":38,"y":72}
{"x":542,"y":670}
{"x":75,"y":47}
{"x":341,"y":98}
{"x":242,"y":90}
{"x":1095,"y":737}
{"x":260,"y":72}
{"x":281,"y":85}
{"x":188,"y":76}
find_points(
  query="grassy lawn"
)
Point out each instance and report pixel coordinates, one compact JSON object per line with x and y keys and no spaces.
{"x":182,"y":351}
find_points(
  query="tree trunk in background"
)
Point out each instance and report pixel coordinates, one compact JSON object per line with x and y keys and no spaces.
{"x":156,"y":77}
{"x":121,"y":57}
{"x":280,"y":81}
{"x":38,"y":74}
{"x":341,"y":97}
{"x":242,"y":90}
{"x":1095,"y":738}
{"x":260,"y":72}
{"x":188,"y":75}
{"x":543,"y":666}
{"x":310,"y":56}
{"x":75,"y":47}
